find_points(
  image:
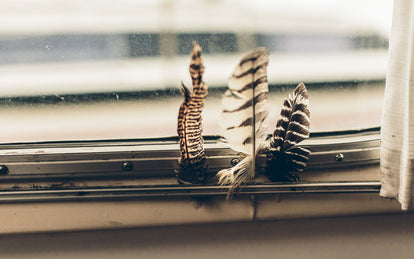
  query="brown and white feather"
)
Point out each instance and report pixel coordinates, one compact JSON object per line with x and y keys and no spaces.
{"x":293,"y":127}
{"x":192,"y":160}
{"x":243,"y":116}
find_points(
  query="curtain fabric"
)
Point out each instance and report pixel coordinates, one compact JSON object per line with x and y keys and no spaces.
{"x":397,"y":126}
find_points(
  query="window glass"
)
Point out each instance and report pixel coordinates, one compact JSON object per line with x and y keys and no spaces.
{"x":82,"y":70}
{"x":212,"y":43}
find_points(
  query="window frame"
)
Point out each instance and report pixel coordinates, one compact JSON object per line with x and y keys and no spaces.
{"x":59,"y":170}
{"x":100,"y":181}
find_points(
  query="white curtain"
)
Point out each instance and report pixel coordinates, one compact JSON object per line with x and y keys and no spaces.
{"x":397,"y":127}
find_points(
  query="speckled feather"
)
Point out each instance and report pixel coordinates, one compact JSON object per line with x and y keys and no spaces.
{"x":192,"y":160}
{"x":284,"y":158}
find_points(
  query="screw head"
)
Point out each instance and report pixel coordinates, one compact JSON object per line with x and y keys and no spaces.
{"x":127,"y":166}
{"x":234,"y":161}
{"x":4,"y":170}
{"x":339,"y":157}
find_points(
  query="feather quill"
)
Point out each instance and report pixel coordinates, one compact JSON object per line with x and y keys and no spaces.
{"x":193,"y":159}
{"x":283,"y":156}
{"x":244,"y":112}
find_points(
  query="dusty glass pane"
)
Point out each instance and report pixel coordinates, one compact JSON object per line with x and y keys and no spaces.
{"x":106,"y":70}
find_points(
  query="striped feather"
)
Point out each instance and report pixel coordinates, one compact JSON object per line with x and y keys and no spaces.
{"x":283,"y":156}
{"x":193,"y":159}
{"x":244,"y":112}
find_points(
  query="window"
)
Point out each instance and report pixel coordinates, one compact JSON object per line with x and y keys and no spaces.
{"x":114,"y":73}
{"x":90,"y":93}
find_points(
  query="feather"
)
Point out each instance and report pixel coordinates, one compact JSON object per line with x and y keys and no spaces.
{"x":244,"y":112}
{"x":283,"y":156}
{"x":193,"y":159}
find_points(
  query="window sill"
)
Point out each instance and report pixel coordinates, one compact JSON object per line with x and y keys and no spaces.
{"x":82,"y":185}
{"x":34,"y":217}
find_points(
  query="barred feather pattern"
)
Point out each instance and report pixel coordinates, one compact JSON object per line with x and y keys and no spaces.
{"x":283,"y":156}
{"x":244,"y":113}
{"x":193,"y":159}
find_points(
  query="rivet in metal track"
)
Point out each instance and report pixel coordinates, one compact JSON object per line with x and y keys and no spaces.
{"x":339,"y":157}
{"x":127,"y":166}
{"x":234,"y":161}
{"x":4,"y":170}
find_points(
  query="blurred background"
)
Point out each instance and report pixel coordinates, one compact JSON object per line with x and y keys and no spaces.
{"x":87,"y":70}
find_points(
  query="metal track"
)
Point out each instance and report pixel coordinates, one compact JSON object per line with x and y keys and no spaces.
{"x":136,"y":192}
{"x":159,"y":158}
